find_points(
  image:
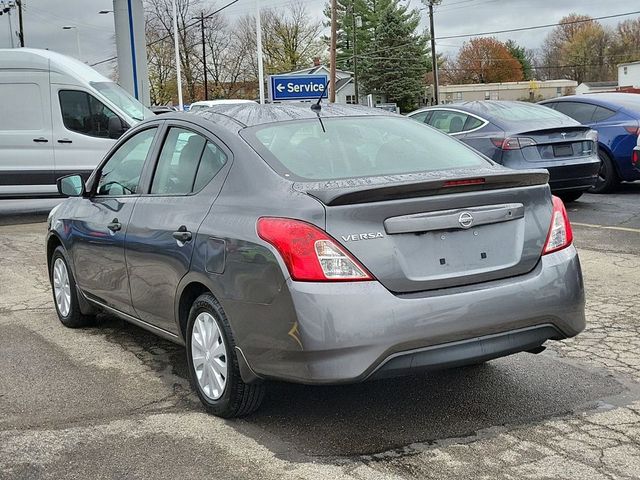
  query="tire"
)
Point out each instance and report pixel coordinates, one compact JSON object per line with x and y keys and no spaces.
{"x":215,"y":374}
{"x":569,"y":197}
{"x":607,"y":177}
{"x":65,"y":292}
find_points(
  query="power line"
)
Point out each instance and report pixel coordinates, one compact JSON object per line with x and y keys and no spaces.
{"x":537,"y":26}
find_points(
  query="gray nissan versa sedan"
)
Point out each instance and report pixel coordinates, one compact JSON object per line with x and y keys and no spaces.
{"x":320,"y":245}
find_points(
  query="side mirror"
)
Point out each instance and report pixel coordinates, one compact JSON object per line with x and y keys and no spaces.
{"x":71,"y":186}
{"x":116,"y":127}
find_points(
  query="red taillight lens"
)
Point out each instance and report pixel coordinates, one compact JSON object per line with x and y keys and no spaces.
{"x":560,"y":234}
{"x":635,"y":158}
{"x":513,"y":143}
{"x":460,"y":183}
{"x":633,"y":130}
{"x":309,"y":253}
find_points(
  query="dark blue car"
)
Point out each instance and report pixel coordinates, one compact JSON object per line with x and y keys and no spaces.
{"x":521,"y":136}
{"x":616,"y":117}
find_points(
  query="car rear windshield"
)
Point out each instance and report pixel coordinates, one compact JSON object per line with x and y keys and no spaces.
{"x":349,"y":147}
{"x":515,"y":112}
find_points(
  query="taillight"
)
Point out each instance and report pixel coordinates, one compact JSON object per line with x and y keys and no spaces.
{"x":513,"y":143}
{"x":633,"y":130}
{"x":635,"y":158}
{"x":560,"y":234}
{"x":309,"y":253}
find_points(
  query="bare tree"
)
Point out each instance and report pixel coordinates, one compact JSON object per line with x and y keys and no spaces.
{"x":160,"y":15}
{"x":290,"y":40}
{"x":160,"y":61}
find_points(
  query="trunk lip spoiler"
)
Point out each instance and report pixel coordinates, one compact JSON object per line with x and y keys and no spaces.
{"x":374,"y":189}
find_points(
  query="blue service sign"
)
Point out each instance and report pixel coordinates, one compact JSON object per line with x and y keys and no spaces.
{"x":297,"y":87}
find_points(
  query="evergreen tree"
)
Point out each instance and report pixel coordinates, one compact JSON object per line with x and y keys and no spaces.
{"x":524,"y":56}
{"x":395,"y":63}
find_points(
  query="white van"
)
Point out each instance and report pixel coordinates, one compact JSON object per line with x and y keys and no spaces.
{"x":57,"y":116}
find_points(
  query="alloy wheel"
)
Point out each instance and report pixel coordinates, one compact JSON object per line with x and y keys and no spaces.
{"x":209,"y":354}
{"x":61,"y":287}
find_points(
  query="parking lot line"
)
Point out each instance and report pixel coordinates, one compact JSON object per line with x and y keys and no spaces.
{"x":607,"y":227}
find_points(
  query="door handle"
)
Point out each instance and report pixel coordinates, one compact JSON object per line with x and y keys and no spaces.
{"x":182,"y":235}
{"x":115,"y":225}
{"x":40,"y":140}
{"x":65,"y":140}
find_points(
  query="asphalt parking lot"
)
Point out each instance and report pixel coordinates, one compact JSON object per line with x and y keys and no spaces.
{"x":113,"y":401}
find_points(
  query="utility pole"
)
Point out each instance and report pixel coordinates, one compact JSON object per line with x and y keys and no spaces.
{"x":355,"y":23}
{"x":332,"y":58}
{"x":19,"y":3}
{"x":204,"y":58}
{"x":259,"y":53}
{"x":434,"y":59}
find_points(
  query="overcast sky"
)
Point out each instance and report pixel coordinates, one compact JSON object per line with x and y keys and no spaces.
{"x":44,"y":19}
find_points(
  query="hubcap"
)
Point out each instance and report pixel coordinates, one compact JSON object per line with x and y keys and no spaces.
{"x":209,"y":355}
{"x":61,"y":287}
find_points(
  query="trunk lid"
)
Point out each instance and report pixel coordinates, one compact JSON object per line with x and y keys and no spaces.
{"x":558,"y":143}
{"x":440,"y":229}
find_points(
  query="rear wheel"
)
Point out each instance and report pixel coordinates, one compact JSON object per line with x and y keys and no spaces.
{"x":569,"y":197}
{"x":213,"y":364}
{"x":65,"y":294}
{"x":607,"y":177}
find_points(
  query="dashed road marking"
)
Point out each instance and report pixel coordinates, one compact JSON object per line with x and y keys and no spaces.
{"x":607,"y":227}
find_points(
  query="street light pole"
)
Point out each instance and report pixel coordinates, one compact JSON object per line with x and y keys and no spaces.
{"x":70,"y":27}
{"x":259,"y":52}
{"x":177,"y":52}
{"x":13,"y":45}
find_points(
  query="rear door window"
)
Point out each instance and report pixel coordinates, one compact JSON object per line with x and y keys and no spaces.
{"x":581,"y":112}
{"x":349,"y":147}
{"x":83,"y":113}
{"x":448,"y":121}
{"x":601,"y":114}
{"x":187,"y":162}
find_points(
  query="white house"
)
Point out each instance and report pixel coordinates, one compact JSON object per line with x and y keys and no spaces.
{"x":526,"y":90}
{"x":629,"y":74}
{"x":596,"y":87}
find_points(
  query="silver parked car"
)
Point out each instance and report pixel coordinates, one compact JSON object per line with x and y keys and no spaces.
{"x":318,"y":246}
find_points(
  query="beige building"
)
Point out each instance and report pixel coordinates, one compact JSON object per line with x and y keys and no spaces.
{"x":533,"y":90}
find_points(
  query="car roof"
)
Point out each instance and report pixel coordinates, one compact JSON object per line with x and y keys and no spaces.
{"x":609,"y":99}
{"x":489,"y":110}
{"x":238,"y":116}
{"x":476,"y":106}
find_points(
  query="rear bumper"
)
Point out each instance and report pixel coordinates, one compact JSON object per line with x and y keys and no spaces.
{"x":573,"y":177}
{"x":349,"y":332}
{"x":564,"y":175}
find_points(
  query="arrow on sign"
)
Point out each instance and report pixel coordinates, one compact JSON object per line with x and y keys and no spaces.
{"x":280,"y":87}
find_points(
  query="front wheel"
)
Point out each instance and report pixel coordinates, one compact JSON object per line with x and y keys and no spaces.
{"x":65,"y":293}
{"x":213,"y":364}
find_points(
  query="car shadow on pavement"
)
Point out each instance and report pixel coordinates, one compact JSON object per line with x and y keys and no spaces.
{"x":382,"y":415}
